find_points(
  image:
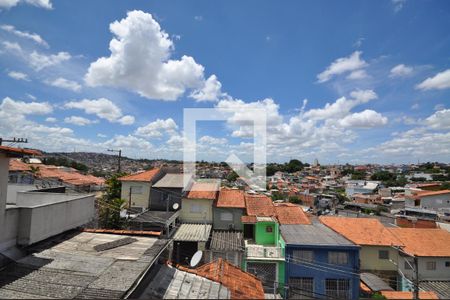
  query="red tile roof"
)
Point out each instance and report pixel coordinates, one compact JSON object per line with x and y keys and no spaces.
{"x":424,"y":241}
{"x":248,"y":219}
{"x":203,"y":190}
{"x":289,"y":214}
{"x":231,"y":198}
{"x":242,"y":285}
{"x":18,"y":151}
{"x":146,"y":176}
{"x":362,"y":231}
{"x":18,"y":165}
{"x":432,"y":193}
{"x":398,"y":295}
{"x":259,"y":205}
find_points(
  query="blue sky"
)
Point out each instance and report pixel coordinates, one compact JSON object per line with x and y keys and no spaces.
{"x":355,"y":81}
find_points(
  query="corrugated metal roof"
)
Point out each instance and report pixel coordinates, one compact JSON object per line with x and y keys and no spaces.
{"x":440,"y":287}
{"x":314,"y":234}
{"x":193,"y":233}
{"x":170,"y":181}
{"x":223,"y":240}
{"x":374,"y":282}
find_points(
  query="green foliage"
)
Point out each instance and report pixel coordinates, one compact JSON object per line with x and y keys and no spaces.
{"x":294,"y":165}
{"x":277,"y":196}
{"x":358,"y":175}
{"x":295,"y":199}
{"x":62,"y":161}
{"x":232,"y":176}
{"x":383,"y":176}
{"x":378,"y":296}
{"x":111,"y":204}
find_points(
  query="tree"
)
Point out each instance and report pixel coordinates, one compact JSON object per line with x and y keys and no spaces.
{"x":295,"y":199}
{"x":111,"y":204}
{"x":232,"y":176}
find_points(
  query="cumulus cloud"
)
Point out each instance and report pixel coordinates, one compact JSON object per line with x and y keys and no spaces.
{"x":439,"y":120}
{"x":440,"y":81}
{"x":140,"y":61}
{"x":365,"y":119}
{"x":158,"y":128}
{"x":18,"y":75}
{"x":206,"y":139}
{"x":80,"y":121}
{"x":102,"y":108}
{"x":211,"y":90}
{"x":401,"y":71}
{"x":39,"y":61}
{"x":38,"y":3}
{"x":51,"y":120}
{"x":63,"y":83}
{"x":352,"y":64}
{"x":24,"y":34}
{"x":12,"y":106}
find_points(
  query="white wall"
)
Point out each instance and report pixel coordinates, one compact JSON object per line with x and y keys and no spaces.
{"x":139,"y":200}
{"x":435,"y":202}
{"x":441,"y":273}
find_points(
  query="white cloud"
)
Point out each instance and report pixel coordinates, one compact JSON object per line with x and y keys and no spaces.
{"x":130,"y":144}
{"x":415,"y":106}
{"x":357,"y":75}
{"x":12,"y":106}
{"x":438,"y":82}
{"x":365,"y":119}
{"x":24,"y":34}
{"x":363,"y":96}
{"x":211,"y":91}
{"x":140,"y":62}
{"x":401,"y":71}
{"x":206,"y":139}
{"x":39,"y":61}
{"x":51,"y":120}
{"x":439,"y":106}
{"x":18,"y":75}
{"x":12,"y":46}
{"x":439,"y":120}
{"x":398,"y":4}
{"x":102,"y":108}
{"x":157,"y":128}
{"x":64,"y":84}
{"x":198,"y":18}
{"x":343,"y":65}
{"x":80,"y":121}
{"x":101,"y":135}
{"x":38,"y":3}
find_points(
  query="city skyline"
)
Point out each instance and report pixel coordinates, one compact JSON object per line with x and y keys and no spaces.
{"x":372,"y":89}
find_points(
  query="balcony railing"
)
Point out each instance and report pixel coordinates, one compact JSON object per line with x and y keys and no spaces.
{"x":263,"y":252}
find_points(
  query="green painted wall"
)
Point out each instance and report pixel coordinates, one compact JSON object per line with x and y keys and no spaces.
{"x":262,"y":237}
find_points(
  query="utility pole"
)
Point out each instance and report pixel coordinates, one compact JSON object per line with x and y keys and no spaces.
{"x":14,"y":140}
{"x":120,"y":157}
{"x":416,"y":278}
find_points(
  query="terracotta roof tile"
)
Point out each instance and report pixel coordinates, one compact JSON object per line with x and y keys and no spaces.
{"x":362,"y":231}
{"x":432,"y":193}
{"x":248,"y":219}
{"x":242,"y":285}
{"x":291,"y":214}
{"x":424,"y":241}
{"x":231,"y":198}
{"x":18,"y":165}
{"x":203,"y":190}
{"x":259,"y":205}
{"x":398,"y":295}
{"x":18,"y":151}
{"x":146,"y":176}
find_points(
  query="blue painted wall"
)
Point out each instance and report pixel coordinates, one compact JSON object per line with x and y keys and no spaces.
{"x":321,"y":270}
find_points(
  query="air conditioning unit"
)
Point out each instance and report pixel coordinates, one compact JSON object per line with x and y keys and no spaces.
{"x":272,"y":252}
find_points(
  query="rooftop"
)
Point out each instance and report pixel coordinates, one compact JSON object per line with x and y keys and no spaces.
{"x":315,"y":234}
{"x":170,"y":181}
{"x":362,"y":231}
{"x":424,"y":241}
{"x":259,"y":205}
{"x":146,"y":176}
{"x":374,"y":283}
{"x":222,"y":240}
{"x":242,"y":285}
{"x":288,"y":213}
{"x":407,"y":295}
{"x":81,"y":265}
{"x":231,"y":198}
{"x":193,"y":232}
{"x":432,"y":193}
{"x":203,"y":190}
{"x":18,"y":152}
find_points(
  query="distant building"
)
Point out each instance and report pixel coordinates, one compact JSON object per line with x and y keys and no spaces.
{"x":229,"y":209}
{"x":197,"y":205}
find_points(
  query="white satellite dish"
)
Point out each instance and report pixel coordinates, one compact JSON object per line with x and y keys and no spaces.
{"x":196,"y":258}
{"x":175,"y":206}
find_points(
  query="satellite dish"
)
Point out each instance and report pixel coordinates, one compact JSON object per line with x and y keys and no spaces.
{"x":175,"y":206}
{"x":196,"y":258}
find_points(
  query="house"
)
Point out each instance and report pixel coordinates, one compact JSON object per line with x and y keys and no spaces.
{"x":197,"y":205}
{"x":188,"y":239}
{"x":80,"y":265}
{"x":136,"y":188}
{"x":320,"y":263}
{"x":226,"y":244}
{"x":167,"y":191}
{"x":431,"y":248}
{"x":229,"y":209}
{"x":431,"y":200}
{"x":28,"y":216}
{"x":378,"y":254}
{"x":361,"y":187}
{"x":264,"y":246}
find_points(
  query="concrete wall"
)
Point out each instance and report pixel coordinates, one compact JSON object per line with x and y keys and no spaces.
{"x":204,"y":215}
{"x":262,"y":237}
{"x":9,"y":229}
{"x":137,"y":200}
{"x":435,"y":202}
{"x":4,"y":167}
{"x":221,"y":224}
{"x":370,"y":261}
{"x":441,"y":273}
{"x":159,"y":198}
{"x":40,"y":222}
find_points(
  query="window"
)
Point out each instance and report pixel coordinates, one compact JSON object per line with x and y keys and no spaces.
{"x":301,"y":288}
{"x":269,"y":228}
{"x":337,"y":288}
{"x":431,"y":265}
{"x":447,"y":264}
{"x":196,"y":208}
{"x":226,"y":216}
{"x":136,"y":190}
{"x":338,"y":258}
{"x":383,"y":254}
{"x":300,"y":256}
